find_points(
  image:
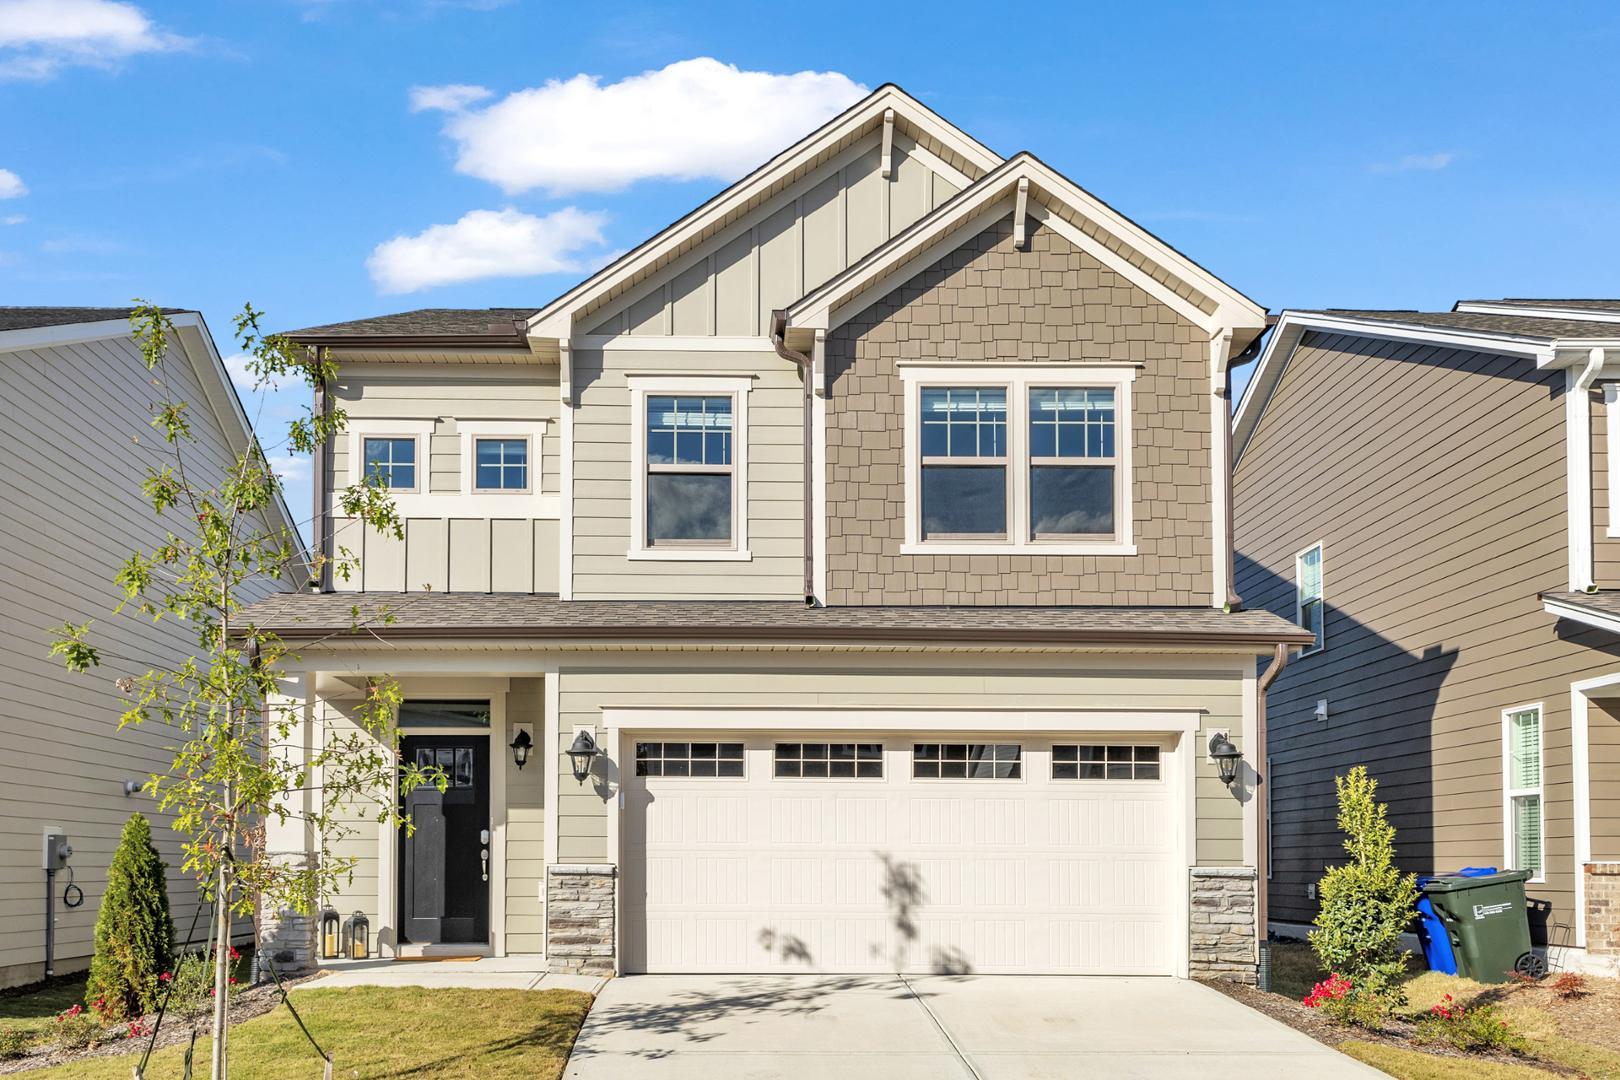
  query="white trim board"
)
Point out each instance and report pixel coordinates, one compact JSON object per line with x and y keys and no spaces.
{"x":1526,"y":311}
{"x":641,"y":718}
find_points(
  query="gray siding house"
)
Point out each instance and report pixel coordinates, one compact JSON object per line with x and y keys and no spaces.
{"x":1429,"y":494}
{"x":74,"y":449}
{"x":864,"y":534}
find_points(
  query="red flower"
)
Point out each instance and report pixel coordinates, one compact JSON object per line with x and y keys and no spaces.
{"x":165,"y":977}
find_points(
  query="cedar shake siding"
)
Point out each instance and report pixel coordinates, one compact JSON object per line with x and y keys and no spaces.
{"x":1434,"y":480}
{"x":989,"y":301}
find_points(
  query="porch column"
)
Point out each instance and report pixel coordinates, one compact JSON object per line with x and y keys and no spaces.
{"x":287,"y":938}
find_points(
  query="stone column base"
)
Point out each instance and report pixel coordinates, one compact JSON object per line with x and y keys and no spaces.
{"x":580,"y":918}
{"x":1602,"y":914}
{"x":1222,"y":943}
{"x":287,"y":938}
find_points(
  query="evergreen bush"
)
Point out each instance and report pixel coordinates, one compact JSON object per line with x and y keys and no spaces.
{"x":134,"y":932}
{"x":1366,"y":904}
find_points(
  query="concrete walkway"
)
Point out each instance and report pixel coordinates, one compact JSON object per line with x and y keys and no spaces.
{"x":968,"y":1027}
{"x":487,"y":973}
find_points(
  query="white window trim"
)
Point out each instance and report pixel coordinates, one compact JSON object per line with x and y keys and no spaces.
{"x":502,"y":503}
{"x":1510,"y":793}
{"x":711,"y":385}
{"x":1052,"y":761}
{"x":1321,"y":598}
{"x":984,"y":740}
{"x":882,"y":762}
{"x":1611,"y":444}
{"x":1018,"y":379}
{"x":419,"y":431}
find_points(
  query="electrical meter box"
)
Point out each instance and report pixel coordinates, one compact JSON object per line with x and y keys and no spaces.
{"x":57,"y":849}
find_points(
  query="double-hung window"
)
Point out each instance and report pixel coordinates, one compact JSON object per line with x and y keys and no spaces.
{"x":391,"y":460}
{"x":689,"y":490}
{"x":1308,"y":595}
{"x":500,"y":464}
{"x":1005,"y":458}
{"x":1521,"y":762}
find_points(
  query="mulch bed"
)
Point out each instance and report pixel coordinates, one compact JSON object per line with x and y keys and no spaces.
{"x":1397,"y":1033}
{"x":245,"y":1005}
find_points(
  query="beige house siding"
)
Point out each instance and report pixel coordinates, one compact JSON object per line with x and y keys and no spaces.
{"x":447,"y":550}
{"x":872,"y":682}
{"x":73,"y":451}
{"x":1605,"y":549}
{"x":989,"y":301}
{"x":525,"y":822}
{"x":603,"y":480}
{"x":1439,"y":526}
{"x":828,"y":220}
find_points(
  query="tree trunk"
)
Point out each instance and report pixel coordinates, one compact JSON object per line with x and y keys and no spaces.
{"x":222,"y":968}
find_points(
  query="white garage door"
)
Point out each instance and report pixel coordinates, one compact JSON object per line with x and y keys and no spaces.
{"x":863,"y":853}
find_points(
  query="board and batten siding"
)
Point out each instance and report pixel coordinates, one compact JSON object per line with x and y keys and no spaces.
{"x":826,"y":221}
{"x":1434,"y":479}
{"x":854,"y":681}
{"x":603,"y":480}
{"x":74,"y":451}
{"x":447,"y":550}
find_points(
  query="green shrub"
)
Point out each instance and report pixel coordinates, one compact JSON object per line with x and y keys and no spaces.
{"x":14,"y":1043}
{"x":1340,"y":999}
{"x":77,"y":1029}
{"x":1482,"y":1027}
{"x":1367,"y":902}
{"x":134,"y":933}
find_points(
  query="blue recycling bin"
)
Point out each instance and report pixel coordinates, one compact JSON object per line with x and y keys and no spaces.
{"x":1431,"y":931}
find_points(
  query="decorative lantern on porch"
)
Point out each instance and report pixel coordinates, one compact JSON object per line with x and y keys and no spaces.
{"x":357,"y":937}
{"x":331,"y":939}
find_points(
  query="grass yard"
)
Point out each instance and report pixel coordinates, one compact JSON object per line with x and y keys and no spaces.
{"x":33,"y":1011}
{"x":1581,"y":1035}
{"x":384,"y":1032}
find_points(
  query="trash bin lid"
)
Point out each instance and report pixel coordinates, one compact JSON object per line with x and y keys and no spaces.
{"x":1458,"y":883}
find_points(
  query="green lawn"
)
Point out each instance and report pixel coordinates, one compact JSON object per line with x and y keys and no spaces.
{"x":386,"y":1032}
{"x":34,"y":1012}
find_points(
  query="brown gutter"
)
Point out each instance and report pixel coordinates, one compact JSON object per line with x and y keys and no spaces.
{"x":1262,"y":864}
{"x":806,"y":372}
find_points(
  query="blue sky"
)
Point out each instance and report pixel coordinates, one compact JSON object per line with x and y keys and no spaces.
{"x":331,"y":159}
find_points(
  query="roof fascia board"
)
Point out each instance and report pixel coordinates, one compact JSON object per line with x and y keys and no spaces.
{"x":39,"y":337}
{"x":547,"y":322}
{"x":505,"y":343}
{"x":1291,"y":327}
{"x":1579,"y":314}
{"x":1576,"y":613}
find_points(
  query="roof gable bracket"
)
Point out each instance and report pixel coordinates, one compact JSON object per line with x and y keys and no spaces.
{"x":1021,"y":213}
{"x":886,"y":166}
{"x":565,"y":376}
{"x":818,"y":364}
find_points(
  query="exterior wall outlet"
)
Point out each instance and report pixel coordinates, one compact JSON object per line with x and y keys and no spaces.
{"x":1322,"y":709}
{"x":1310,"y":891}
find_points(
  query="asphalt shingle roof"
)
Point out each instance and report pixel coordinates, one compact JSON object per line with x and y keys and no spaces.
{"x":485,"y":615}
{"x":1599,"y":603}
{"x":1520,"y":326}
{"x":32,"y":318}
{"x":504,"y":323}
{"x":1607,"y":307}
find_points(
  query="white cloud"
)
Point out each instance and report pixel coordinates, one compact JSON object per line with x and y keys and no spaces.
{"x":292,"y":468}
{"x":13,"y":219}
{"x":452,"y":98}
{"x":37,"y":37}
{"x":237,"y":366}
{"x":11,"y":185}
{"x":485,"y":244}
{"x":695,"y":119}
{"x":1414,"y":163}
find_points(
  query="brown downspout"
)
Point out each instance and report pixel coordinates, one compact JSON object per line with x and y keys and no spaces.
{"x":318,"y":524}
{"x":1262,"y":863}
{"x":806,"y":373}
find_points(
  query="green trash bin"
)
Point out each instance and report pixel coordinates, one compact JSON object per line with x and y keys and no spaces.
{"x":1488,"y":923}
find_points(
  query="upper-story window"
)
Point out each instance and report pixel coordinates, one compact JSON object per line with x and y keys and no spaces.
{"x":690,"y":480}
{"x":500,"y":464}
{"x":1308,"y":595}
{"x":1018,"y":457}
{"x":392,"y":460}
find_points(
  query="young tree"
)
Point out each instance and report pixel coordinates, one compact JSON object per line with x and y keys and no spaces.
{"x":134,"y":934}
{"x":223,"y":547}
{"x":1366,"y":903}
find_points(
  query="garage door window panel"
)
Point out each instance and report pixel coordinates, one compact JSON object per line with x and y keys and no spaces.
{"x":1095,"y":761}
{"x":828,"y":761}
{"x":967,"y":761}
{"x":695,"y":760}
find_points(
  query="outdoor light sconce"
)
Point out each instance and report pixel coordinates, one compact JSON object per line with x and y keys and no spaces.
{"x":521,"y":747}
{"x":581,"y":752}
{"x":1226,"y":757}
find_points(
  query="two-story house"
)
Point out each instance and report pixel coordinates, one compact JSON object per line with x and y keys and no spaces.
{"x":75,"y":448}
{"x":1429,"y":494}
{"x":855,"y":554}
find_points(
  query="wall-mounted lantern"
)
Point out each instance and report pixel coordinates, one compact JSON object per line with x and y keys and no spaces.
{"x":357,"y":937}
{"x":331,"y":934}
{"x":521,"y":747}
{"x":1226,"y":757}
{"x":581,"y":753}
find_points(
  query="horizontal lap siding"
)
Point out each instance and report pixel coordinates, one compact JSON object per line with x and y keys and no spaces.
{"x":525,"y":823}
{"x":73,"y":453}
{"x":603,"y":469}
{"x":1604,"y":721}
{"x":858,"y":682}
{"x":1435,"y":481}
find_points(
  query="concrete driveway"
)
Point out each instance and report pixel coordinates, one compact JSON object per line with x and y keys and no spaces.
{"x":767,"y":1027}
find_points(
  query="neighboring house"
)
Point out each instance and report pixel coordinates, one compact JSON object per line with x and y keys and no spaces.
{"x":74,"y":450}
{"x":1429,"y":493}
{"x":871,"y":521}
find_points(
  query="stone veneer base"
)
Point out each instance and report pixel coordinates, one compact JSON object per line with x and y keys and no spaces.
{"x":1221,"y":925}
{"x":580,"y":918}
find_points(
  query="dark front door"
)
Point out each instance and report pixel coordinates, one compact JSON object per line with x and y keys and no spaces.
{"x":443,"y":865}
